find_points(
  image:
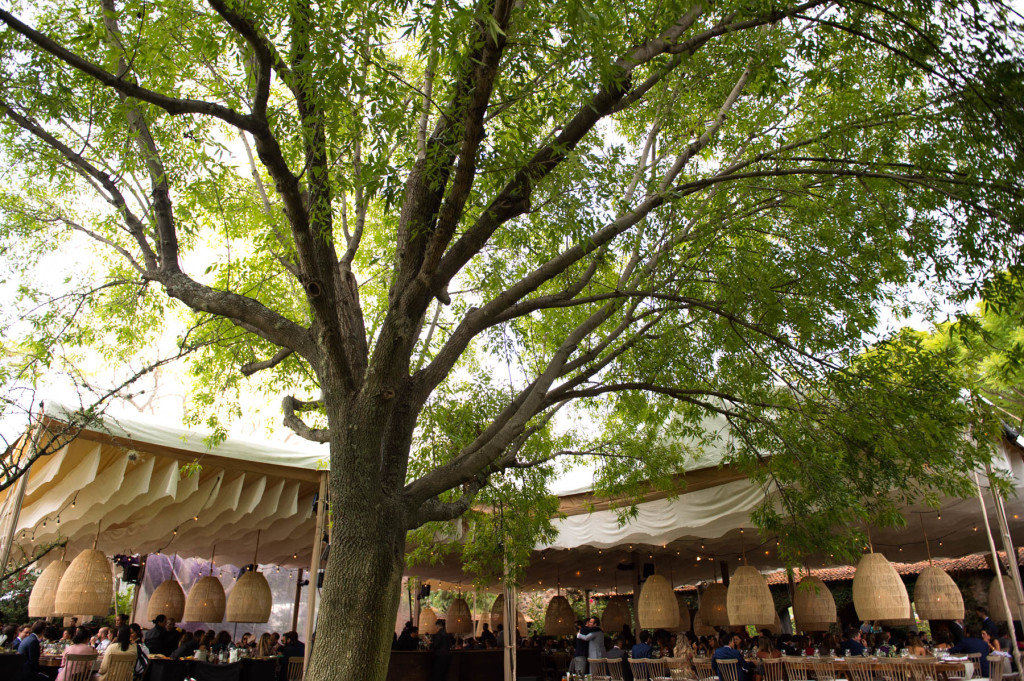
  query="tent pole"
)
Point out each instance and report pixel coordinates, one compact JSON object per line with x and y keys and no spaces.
{"x":138,"y":585}
{"x":999,"y":574}
{"x":314,"y":569}
{"x":1008,"y":546}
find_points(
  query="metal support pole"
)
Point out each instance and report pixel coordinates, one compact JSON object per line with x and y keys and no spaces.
{"x":314,"y":569}
{"x":995,"y":559}
{"x":298,"y":601}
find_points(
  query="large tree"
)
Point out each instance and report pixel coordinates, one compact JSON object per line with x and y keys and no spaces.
{"x":467,"y":239}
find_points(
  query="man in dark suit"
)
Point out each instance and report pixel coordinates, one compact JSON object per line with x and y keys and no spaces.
{"x":852,"y":643}
{"x":30,"y":648}
{"x":986,"y":622}
{"x":973,"y":643}
{"x":731,"y":651}
{"x":291,"y":646}
{"x":956,"y":631}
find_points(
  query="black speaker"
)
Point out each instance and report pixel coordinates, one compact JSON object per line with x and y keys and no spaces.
{"x":130,"y":574}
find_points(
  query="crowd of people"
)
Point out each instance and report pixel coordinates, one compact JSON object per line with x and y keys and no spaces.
{"x":164,"y":639}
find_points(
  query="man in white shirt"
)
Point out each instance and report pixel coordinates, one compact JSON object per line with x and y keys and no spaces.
{"x":103,"y":639}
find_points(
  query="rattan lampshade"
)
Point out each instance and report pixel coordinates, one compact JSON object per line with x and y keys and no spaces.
{"x":559,"y":619}
{"x":684,"y":614}
{"x":748,"y":599}
{"x":250,"y":599}
{"x":936,"y":596}
{"x":700,"y":627}
{"x":40,"y":601}
{"x":813,"y":605}
{"x":995,"y":599}
{"x":905,"y":621}
{"x":657,"y":608}
{"x":168,"y":599}
{"x":428,"y":621}
{"x":205,"y":602}
{"x":713,"y":605}
{"x":498,"y":612}
{"x":87,"y":586}
{"x":616,"y":614}
{"x":878,"y":592}
{"x":459,"y":619}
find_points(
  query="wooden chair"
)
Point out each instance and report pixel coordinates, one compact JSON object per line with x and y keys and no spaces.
{"x":598,"y":669}
{"x":796,"y":668}
{"x":975,"y":659}
{"x":295,"y":669}
{"x":772,"y":669}
{"x":680,"y":669}
{"x":922,"y":668}
{"x":120,"y":668}
{"x":825,"y":669}
{"x":893,"y":670}
{"x":996,"y":667}
{"x":649,"y":670}
{"x":703,"y":667}
{"x":615,"y":670}
{"x":859,"y":669}
{"x":729,"y":670}
{"x":79,"y":667}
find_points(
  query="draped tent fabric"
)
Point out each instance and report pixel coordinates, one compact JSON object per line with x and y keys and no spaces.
{"x":124,"y":479}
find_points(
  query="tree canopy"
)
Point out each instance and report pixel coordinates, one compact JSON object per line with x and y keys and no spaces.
{"x":464,"y":242}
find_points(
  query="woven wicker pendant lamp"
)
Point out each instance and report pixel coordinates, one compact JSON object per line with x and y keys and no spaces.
{"x":250,"y":599}
{"x":205,"y":601}
{"x":459,"y":619}
{"x":87,"y":586}
{"x":936,"y":596}
{"x":559,"y":618}
{"x":749,"y":600}
{"x":168,"y":598}
{"x":616,"y":614}
{"x":878,"y":591}
{"x":657,"y":607}
{"x":701,"y":628}
{"x":713,"y":607}
{"x":684,"y":614}
{"x":996,"y":609}
{"x":498,"y":612}
{"x":40,"y":601}
{"x":813,"y":605}
{"x":428,"y":621}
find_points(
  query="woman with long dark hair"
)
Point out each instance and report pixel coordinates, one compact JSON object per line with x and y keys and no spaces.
{"x":121,"y":647}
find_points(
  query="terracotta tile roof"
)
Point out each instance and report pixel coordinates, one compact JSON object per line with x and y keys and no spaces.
{"x":973,"y":563}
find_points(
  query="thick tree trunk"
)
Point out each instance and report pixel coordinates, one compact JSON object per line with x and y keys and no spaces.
{"x":360,"y":596}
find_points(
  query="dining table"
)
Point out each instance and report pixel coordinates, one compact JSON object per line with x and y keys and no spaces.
{"x":247,"y":669}
{"x":946,"y":668}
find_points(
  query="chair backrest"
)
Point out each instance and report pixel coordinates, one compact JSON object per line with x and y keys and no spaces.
{"x":729,"y":670}
{"x":893,"y":669}
{"x":120,"y":668}
{"x":824,"y":668}
{"x":859,"y":669}
{"x":598,"y":668}
{"x":796,"y":667}
{"x":922,"y":668}
{"x":295,"y":665}
{"x":996,"y":667}
{"x":975,"y":659}
{"x":772,"y":669}
{"x":703,"y":667}
{"x":615,"y":670}
{"x":78,"y":667}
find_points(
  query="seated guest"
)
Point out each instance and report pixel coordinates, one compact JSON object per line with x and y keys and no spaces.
{"x":121,"y":647}
{"x":187,"y":646}
{"x":973,"y":643}
{"x":852,"y":643}
{"x":154,"y":637}
{"x":221,"y":643}
{"x":30,"y":648}
{"x":265,"y":646}
{"x":643,"y":649}
{"x":731,"y":651}
{"x":291,"y":646}
{"x":914,"y":646}
{"x":617,"y":653}
{"x":138,"y":637}
{"x":79,"y":646}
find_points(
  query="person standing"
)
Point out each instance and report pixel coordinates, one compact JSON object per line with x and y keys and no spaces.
{"x":578,"y":667}
{"x":986,"y":622}
{"x":594,"y":638}
{"x":154,"y":638}
{"x":441,"y":646}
